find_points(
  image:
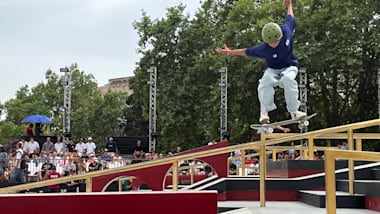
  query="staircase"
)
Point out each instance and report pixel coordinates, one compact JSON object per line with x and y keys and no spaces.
{"x":366,"y":189}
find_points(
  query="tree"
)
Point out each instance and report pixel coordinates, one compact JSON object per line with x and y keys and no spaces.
{"x":92,"y":114}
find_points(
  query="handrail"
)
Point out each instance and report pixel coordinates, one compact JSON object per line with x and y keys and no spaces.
{"x":330,"y":157}
{"x":175,"y":159}
{"x":363,"y":136}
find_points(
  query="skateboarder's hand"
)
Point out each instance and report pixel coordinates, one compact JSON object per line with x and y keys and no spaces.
{"x":287,"y":2}
{"x":224,"y":50}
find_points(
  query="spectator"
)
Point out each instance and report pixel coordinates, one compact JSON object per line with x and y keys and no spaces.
{"x":20,"y":166}
{"x":53,"y":174}
{"x":70,"y":146}
{"x":3,"y":162}
{"x":29,"y":130}
{"x":90,"y":146}
{"x":138,"y":150}
{"x":45,"y":169}
{"x":80,"y":147}
{"x":106,"y":156}
{"x":23,"y":142}
{"x":48,"y":146}
{"x":58,"y":146}
{"x":292,"y":152}
{"x":32,"y":147}
{"x":94,"y":165}
{"x":127,"y":184}
{"x":111,"y":146}
{"x":38,"y":130}
{"x":74,"y":184}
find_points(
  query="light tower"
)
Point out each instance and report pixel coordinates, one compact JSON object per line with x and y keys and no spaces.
{"x":152,"y":108}
{"x":223,"y":104}
{"x":303,"y":93}
{"x":66,"y":83}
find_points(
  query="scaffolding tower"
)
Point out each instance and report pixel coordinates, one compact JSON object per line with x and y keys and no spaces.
{"x":303,"y":94}
{"x":66,"y":83}
{"x":223,"y":104}
{"x":152,"y":108}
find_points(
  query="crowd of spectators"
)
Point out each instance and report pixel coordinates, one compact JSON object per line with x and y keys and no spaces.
{"x":25,"y":160}
{"x":29,"y":161}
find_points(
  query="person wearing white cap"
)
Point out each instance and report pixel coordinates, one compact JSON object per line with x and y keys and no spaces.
{"x":90,"y":146}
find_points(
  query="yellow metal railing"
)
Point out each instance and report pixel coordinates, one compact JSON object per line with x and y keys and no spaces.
{"x":261,"y":145}
{"x":330,"y":157}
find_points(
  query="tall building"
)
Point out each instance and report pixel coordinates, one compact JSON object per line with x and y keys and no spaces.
{"x":117,"y":84}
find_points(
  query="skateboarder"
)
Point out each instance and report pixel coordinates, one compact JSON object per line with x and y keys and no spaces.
{"x":277,"y":50}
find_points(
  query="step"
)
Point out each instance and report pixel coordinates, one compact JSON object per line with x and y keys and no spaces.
{"x":376,"y":173}
{"x":369,"y":188}
{"x":343,"y":199}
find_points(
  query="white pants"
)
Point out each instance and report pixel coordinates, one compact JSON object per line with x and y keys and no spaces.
{"x":285,"y":78}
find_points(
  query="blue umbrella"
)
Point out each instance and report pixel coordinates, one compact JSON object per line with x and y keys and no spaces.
{"x":37,"y":119}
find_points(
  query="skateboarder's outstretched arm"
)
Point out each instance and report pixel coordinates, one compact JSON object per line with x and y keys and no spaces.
{"x":288,"y":4}
{"x":226,"y":50}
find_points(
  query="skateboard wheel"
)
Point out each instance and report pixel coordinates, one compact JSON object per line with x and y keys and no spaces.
{"x":270,"y":130}
{"x":306,"y":123}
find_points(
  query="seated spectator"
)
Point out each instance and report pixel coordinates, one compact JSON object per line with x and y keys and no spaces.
{"x":94,"y":165}
{"x":138,"y":151}
{"x":74,"y":184}
{"x":106,"y":156}
{"x":70,"y":146}
{"x":91,"y":147}
{"x":111,"y":146}
{"x":45,"y":169}
{"x":53,"y":174}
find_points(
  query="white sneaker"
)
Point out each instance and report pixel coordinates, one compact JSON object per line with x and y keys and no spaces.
{"x":298,"y":115}
{"x":264,"y":118}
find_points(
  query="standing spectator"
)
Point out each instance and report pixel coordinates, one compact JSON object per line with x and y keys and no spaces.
{"x":19,"y":172}
{"x":38,"y":130}
{"x":33,"y":147}
{"x":111,"y":146}
{"x":29,"y":130}
{"x":48,"y":146}
{"x":58,"y":146}
{"x":90,"y":146}
{"x":3,"y":162}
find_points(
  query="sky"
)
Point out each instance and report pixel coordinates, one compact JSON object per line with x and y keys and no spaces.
{"x":37,"y":35}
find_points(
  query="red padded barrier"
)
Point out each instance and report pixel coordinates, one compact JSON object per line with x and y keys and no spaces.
{"x":130,"y":202}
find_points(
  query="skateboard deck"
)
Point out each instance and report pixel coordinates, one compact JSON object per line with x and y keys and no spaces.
{"x":269,"y":127}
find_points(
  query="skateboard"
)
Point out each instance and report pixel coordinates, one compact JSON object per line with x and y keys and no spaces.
{"x":269,"y":127}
